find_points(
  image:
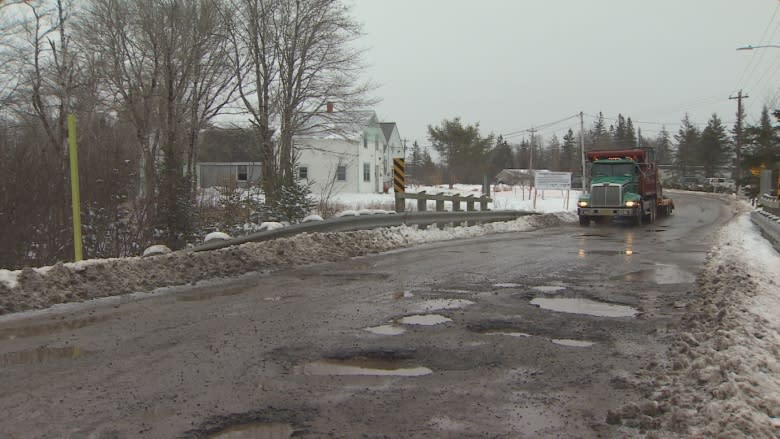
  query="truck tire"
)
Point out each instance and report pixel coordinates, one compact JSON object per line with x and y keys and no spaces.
{"x":584,"y":220}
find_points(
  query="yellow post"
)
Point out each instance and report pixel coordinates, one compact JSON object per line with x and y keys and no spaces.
{"x":74,"y":187}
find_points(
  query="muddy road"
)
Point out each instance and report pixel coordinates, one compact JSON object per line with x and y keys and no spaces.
{"x":533,"y":334}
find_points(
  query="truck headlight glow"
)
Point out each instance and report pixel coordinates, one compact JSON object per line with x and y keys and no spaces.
{"x":630,"y":203}
{"x":582,"y":203}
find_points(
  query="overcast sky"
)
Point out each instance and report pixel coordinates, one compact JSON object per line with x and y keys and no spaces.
{"x":515,"y":64}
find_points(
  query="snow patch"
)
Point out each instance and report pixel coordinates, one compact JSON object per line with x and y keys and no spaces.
{"x":217,"y":236}
{"x":154,"y":250}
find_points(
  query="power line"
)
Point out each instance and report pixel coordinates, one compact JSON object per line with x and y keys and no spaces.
{"x":538,"y":127}
{"x":760,"y":55}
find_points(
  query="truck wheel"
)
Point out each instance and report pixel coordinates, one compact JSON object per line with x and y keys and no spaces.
{"x":638,"y":217}
{"x":584,"y":220}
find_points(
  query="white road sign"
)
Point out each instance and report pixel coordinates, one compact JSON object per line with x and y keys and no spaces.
{"x":552,"y":180}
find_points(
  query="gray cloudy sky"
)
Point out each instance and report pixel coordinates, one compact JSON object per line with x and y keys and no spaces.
{"x":514,"y":64}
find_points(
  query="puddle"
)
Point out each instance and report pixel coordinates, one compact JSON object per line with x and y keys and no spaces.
{"x":386,"y":330}
{"x":40,"y":355}
{"x":548,"y":288}
{"x":572,"y":343}
{"x":438,"y":304}
{"x":584,"y":306}
{"x":507,"y":285}
{"x":424,"y":319}
{"x":65,"y":325}
{"x":255,"y":431}
{"x":510,"y":334}
{"x":626,"y":252}
{"x":361,"y":366}
{"x":662,"y":274}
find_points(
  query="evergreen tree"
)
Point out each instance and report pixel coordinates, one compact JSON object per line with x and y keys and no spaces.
{"x":501,"y":157}
{"x":630,"y":136}
{"x":553,"y":159}
{"x":415,"y":160}
{"x":687,"y":146}
{"x":569,"y":152}
{"x":761,"y":149}
{"x":463,"y":150}
{"x":663,"y":147}
{"x":599,"y":136}
{"x":715,"y":150}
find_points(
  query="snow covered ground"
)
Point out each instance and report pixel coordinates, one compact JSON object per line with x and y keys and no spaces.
{"x":721,"y":377}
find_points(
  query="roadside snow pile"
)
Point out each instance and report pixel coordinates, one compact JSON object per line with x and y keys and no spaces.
{"x":35,"y":288}
{"x":722,"y":378}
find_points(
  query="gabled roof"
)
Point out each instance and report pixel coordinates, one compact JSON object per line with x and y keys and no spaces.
{"x":338,"y":125}
{"x":228,"y":145}
{"x":387,"y":129}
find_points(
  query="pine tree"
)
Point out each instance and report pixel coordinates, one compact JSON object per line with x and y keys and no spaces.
{"x":663,"y":147}
{"x":501,"y":157}
{"x":569,"y":152}
{"x":715,"y":150}
{"x":687,"y":146}
{"x":554,"y":153}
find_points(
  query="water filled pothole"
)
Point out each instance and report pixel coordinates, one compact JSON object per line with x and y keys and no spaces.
{"x":548,"y":288}
{"x":662,"y":274}
{"x":362,"y":366}
{"x":424,"y":319}
{"x":508,"y":333}
{"x":386,"y":330}
{"x":439,"y":304}
{"x":584,"y":306}
{"x":65,"y":325}
{"x":626,"y":252}
{"x":255,"y":431}
{"x":507,"y":285}
{"x":40,"y":355}
{"x":572,"y":343}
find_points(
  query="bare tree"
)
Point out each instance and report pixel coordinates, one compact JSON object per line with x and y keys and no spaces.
{"x":318,"y":64}
{"x":292,"y":58}
{"x":255,"y":63}
{"x":165,"y":64}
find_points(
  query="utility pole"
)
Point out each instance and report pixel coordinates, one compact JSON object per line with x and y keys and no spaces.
{"x":738,"y":137}
{"x":582,"y":153}
{"x":531,"y":130}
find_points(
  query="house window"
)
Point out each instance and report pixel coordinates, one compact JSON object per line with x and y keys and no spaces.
{"x":366,"y":172}
{"x":303,"y":172}
{"x":341,"y":173}
{"x":241,"y":173}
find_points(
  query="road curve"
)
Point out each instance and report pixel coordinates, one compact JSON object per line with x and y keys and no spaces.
{"x":537,"y":335}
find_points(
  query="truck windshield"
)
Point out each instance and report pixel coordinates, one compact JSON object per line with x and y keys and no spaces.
{"x":612,"y":170}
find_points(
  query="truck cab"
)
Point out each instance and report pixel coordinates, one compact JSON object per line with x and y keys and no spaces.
{"x":624,"y":183}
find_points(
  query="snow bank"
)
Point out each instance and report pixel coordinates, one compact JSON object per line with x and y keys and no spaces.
{"x":43,"y":287}
{"x":722,"y":378}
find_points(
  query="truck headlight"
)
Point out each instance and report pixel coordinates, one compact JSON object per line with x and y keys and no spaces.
{"x":630,"y":203}
{"x":582,"y":203}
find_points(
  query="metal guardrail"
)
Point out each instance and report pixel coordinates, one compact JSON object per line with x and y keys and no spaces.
{"x":769,"y":225}
{"x":367,"y":222}
{"x":422,"y":201}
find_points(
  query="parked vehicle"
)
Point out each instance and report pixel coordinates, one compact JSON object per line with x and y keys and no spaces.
{"x":693,"y":183}
{"x":720,"y":184}
{"x":624,"y":183}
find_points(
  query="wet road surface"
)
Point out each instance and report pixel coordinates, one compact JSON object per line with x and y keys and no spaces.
{"x":514,"y":335}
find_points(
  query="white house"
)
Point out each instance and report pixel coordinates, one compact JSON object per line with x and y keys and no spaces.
{"x":356,"y":157}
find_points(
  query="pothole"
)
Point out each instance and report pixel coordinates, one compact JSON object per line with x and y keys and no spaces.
{"x":508,"y":333}
{"x":662,"y":274}
{"x":548,"y":288}
{"x":626,"y":252}
{"x":255,"y":431}
{"x":424,"y":319}
{"x":41,"y":355}
{"x":362,"y":366}
{"x":386,"y":330}
{"x":584,"y":306}
{"x":439,"y":304}
{"x":208,"y":295}
{"x":507,"y":285}
{"x":572,"y":343}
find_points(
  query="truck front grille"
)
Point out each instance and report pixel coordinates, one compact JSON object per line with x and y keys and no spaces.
{"x":605,"y":196}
